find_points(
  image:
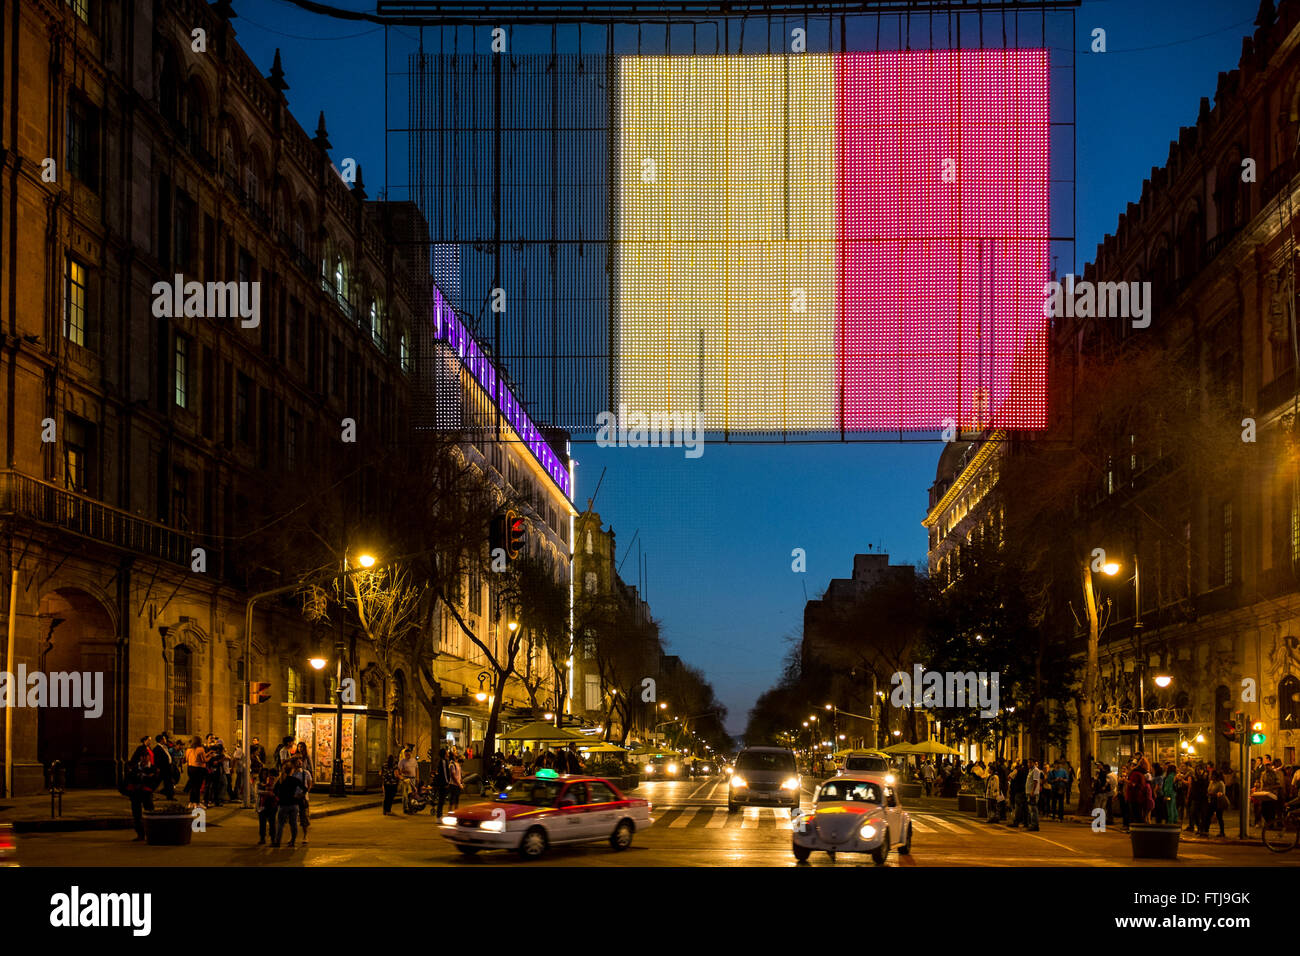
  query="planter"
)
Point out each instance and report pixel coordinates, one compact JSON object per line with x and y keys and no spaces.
{"x":1155,"y":841}
{"x":910,"y":790}
{"x":168,"y":829}
{"x":966,"y":802}
{"x":982,"y":807}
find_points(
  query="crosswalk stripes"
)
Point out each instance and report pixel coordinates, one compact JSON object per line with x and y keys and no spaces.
{"x":685,"y":818}
{"x":719,"y":819}
{"x":752,"y":818}
{"x":931,"y":825}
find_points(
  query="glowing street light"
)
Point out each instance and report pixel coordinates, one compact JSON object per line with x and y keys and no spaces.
{"x":317,"y":663}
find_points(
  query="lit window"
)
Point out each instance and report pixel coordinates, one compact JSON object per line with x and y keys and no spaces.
{"x":81,"y":10}
{"x":74,"y":310}
{"x":404,"y":353}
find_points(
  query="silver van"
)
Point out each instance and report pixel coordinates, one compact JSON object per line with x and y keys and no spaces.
{"x":764,"y":776}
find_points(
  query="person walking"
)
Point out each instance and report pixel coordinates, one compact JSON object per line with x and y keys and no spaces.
{"x":927,"y":776}
{"x":1169,"y":793}
{"x":453,"y":781}
{"x":196,"y":765}
{"x":408,"y":773}
{"x":441,"y":778}
{"x":1056,"y":781}
{"x":1136,"y":793}
{"x":388,"y":777}
{"x":142,"y":777}
{"x":288,"y":793}
{"x":283,"y":752}
{"x":1197,"y":799}
{"x":266,"y":804}
{"x":236,"y":759}
{"x":1033,"y":793}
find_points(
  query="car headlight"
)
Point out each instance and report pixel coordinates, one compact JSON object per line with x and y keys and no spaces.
{"x":868,"y":832}
{"x":738,"y":781}
{"x":889,"y":779}
{"x":493,"y":826}
{"x":790,"y":783}
{"x":672,"y":768}
{"x":449,"y":821}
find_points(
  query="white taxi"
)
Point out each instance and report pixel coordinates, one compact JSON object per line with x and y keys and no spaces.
{"x":547,"y":809}
{"x":854,"y":813}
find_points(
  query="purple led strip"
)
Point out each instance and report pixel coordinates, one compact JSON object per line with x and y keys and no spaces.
{"x":451,"y":330}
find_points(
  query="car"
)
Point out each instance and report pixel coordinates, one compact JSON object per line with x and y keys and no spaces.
{"x":867,"y":761}
{"x":854,"y":813}
{"x":764,"y":776}
{"x":548,"y":809}
{"x":703,"y":767}
{"x":666,"y":766}
{"x":8,"y":846}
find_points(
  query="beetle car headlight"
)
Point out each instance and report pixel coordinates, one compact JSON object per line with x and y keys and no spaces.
{"x":449,"y":821}
{"x":790,"y":783}
{"x":672,"y":768}
{"x":868,"y":832}
{"x":889,"y":779}
{"x":738,"y":781}
{"x":493,"y":826}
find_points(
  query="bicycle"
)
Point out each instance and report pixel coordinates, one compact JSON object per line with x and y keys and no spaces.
{"x":1275,"y":834}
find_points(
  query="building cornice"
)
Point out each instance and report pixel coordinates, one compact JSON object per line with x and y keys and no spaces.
{"x":980,"y":458}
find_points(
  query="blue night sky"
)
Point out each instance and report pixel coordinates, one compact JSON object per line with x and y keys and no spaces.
{"x":718,"y":530}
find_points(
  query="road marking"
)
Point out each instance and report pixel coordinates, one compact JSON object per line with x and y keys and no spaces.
{"x":684,"y":818}
{"x":944,"y":825}
{"x":783,"y":821}
{"x":718,"y":820}
{"x":752,"y":819}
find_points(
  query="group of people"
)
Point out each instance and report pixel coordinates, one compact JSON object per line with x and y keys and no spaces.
{"x":942,"y":777}
{"x":283,"y":793}
{"x":401,"y":775}
{"x":1026,"y":789}
{"x":1193,"y":794}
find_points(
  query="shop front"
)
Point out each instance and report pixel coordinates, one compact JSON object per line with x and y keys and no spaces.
{"x":364,"y":733}
{"x":1169,"y":743}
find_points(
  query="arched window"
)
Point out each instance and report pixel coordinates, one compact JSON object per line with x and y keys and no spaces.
{"x":1288,"y":703}
{"x":196,"y":123}
{"x":342,"y":279}
{"x":404,"y":352}
{"x":379,"y":324}
{"x":169,"y":87}
{"x":181,"y":690}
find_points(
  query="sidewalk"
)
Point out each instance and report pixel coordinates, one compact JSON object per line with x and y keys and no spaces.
{"x":109,"y":810}
{"x":1231,"y":823}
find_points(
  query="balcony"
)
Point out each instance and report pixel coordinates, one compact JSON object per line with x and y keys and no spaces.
{"x":23,"y":496}
{"x":1277,"y":178}
{"x":1218,"y":244}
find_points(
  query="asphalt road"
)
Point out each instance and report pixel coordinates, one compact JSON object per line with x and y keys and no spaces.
{"x":692,"y":828}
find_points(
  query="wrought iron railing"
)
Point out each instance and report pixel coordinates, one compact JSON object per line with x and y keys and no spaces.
{"x":27,"y":497}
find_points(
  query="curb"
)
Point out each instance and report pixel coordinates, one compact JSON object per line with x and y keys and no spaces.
{"x":126,"y":823}
{"x":1191,"y":840}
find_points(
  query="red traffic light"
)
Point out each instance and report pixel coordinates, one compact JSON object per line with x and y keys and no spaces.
{"x":516,"y":536}
{"x":1230,"y":731}
{"x":259,"y":693}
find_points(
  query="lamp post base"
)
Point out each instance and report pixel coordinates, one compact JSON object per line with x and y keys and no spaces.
{"x":337,"y":787}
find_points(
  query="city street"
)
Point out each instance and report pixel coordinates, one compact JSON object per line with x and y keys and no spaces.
{"x":692,"y":828}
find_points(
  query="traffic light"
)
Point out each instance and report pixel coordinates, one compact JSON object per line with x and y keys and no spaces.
{"x":516,"y":538}
{"x":1258,"y":736}
{"x":1230,"y":731}
{"x":259,"y":692}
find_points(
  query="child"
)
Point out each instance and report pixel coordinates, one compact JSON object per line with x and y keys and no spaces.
{"x":266,"y":805}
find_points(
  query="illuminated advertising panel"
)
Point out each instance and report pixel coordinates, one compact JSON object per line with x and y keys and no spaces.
{"x":841,"y":241}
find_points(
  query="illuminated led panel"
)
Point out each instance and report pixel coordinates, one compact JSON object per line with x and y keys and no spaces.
{"x":942,"y":218}
{"x":855,"y":241}
{"x":726,"y":263}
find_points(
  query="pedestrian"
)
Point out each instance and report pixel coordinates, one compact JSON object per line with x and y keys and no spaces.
{"x":1136,"y":793}
{"x":441,"y":778}
{"x":1197,"y":799}
{"x":214,"y":779}
{"x":1216,"y":803}
{"x":1056,"y":780}
{"x":1017,"y":791}
{"x":1033,"y":793}
{"x":388,"y":777}
{"x":303,"y":772}
{"x":300,"y":752}
{"x":236,"y":758}
{"x":927,"y":776}
{"x":162,"y":759}
{"x":196,"y":765}
{"x":993,"y":794}
{"x":256,"y":755}
{"x":266,"y":804}
{"x":141,"y":779}
{"x":453,"y":781}
{"x":1268,"y":789}
{"x":408,"y":773}
{"x":1158,"y":791}
{"x":283,"y":752}
{"x":288,"y":793}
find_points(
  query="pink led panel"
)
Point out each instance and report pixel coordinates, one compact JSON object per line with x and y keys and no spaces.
{"x":941,"y":219}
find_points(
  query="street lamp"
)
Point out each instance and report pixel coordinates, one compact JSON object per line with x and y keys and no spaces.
{"x":1161,"y":680}
{"x":481,"y":695}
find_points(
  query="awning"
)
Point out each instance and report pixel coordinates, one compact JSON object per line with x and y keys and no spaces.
{"x":543,"y":731}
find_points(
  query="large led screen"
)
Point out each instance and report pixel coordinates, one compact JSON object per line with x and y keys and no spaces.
{"x":833,"y":242}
